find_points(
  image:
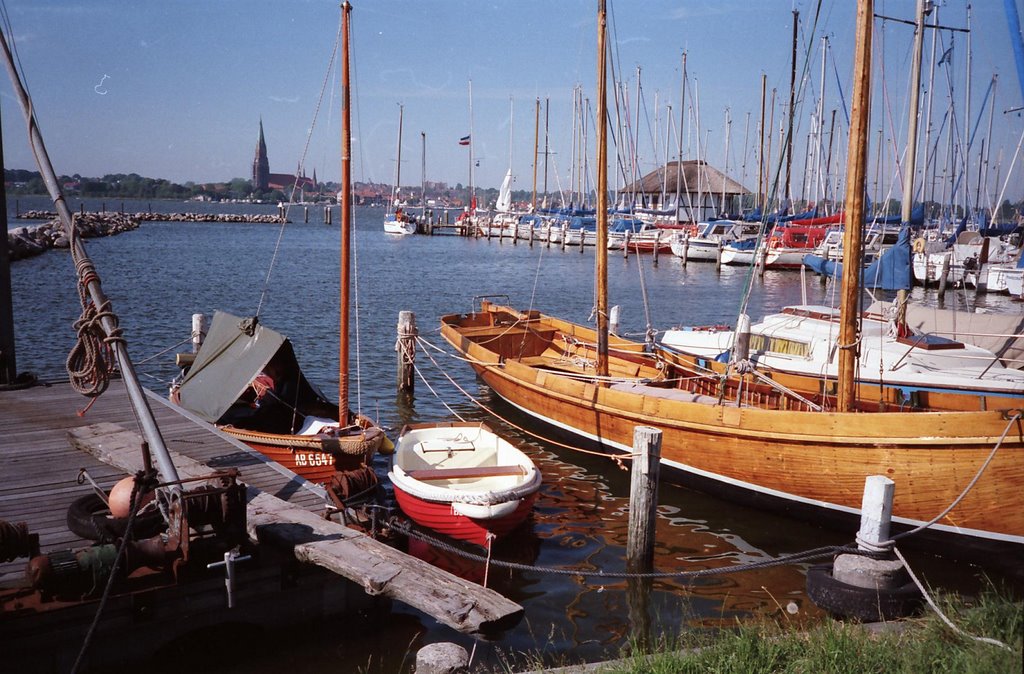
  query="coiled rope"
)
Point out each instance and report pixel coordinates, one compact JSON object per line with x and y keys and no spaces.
{"x":92,"y":359}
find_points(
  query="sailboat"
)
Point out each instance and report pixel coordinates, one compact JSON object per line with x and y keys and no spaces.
{"x":397,"y":221}
{"x":740,"y":437}
{"x":245,"y":378}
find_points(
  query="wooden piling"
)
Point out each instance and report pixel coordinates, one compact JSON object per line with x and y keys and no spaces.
{"x":657,"y":245}
{"x":305,"y":214}
{"x":583,"y":238}
{"x":625,"y":246}
{"x":531,"y":235}
{"x":406,"y":348}
{"x":944,"y":274}
{"x":643,"y":498}
{"x":686,"y":248}
{"x":718,"y":256}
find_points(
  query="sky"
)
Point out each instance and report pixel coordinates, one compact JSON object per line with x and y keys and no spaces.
{"x":177,"y":90}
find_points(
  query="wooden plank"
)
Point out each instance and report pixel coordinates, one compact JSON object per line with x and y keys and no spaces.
{"x":460,"y":473}
{"x":376,"y":567}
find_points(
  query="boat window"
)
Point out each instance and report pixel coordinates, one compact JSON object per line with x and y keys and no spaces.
{"x":789,"y":347}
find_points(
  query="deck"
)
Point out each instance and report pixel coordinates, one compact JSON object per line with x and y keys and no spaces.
{"x":40,"y":467}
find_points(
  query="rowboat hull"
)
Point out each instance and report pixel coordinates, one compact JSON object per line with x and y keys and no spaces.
{"x":818,"y":459}
{"x":463,"y":480}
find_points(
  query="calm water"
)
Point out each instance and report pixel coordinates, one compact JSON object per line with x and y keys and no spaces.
{"x":158,"y":276}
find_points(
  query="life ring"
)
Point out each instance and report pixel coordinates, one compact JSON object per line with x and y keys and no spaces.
{"x":89,"y":518}
{"x":919,"y":244}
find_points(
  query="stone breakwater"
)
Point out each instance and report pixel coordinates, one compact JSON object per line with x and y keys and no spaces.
{"x":29,"y":241}
{"x":26,"y":242}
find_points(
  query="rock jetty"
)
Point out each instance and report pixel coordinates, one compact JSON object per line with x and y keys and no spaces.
{"x":26,"y":242}
{"x":144,"y":216}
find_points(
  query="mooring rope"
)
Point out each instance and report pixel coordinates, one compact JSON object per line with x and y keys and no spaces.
{"x":403,"y":527}
{"x":617,"y":458}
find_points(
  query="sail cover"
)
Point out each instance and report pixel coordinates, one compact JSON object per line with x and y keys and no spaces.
{"x":234,"y":352}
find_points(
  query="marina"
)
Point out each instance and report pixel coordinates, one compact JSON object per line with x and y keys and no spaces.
{"x":590,"y":449}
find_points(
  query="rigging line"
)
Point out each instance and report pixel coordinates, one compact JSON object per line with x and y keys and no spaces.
{"x":437,"y":395}
{"x":305,"y":149}
{"x":615,"y":457}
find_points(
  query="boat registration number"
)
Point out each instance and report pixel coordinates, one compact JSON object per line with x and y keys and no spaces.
{"x":313,"y":459}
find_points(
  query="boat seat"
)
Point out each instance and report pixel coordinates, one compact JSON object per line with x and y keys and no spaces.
{"x":427,"y":474}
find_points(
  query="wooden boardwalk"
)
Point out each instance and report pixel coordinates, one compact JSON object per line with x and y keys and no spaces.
{"x":39,"y":468}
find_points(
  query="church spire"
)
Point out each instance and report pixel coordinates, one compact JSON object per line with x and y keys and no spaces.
{"x":260,"y":164}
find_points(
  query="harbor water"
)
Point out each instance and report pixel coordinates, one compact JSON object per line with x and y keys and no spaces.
{"x":162,"y":273}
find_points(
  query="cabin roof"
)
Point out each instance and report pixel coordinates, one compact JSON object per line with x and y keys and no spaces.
{"x":697,"y":177}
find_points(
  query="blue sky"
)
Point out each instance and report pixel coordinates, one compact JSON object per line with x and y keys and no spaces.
{"x":176,"y":90}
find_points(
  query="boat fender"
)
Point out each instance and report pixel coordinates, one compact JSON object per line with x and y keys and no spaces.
{"x":89,"y":518}
{"x":919,"y":244}
{"x":860,"y":603}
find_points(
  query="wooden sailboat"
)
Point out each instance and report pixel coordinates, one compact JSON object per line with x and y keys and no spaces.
{"x":246,"y":380}
{"x":752,"y":441}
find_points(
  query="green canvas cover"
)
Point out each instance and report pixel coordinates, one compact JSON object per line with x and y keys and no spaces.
{"x":235,"y":350}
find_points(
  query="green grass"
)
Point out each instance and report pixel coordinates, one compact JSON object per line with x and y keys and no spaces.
{"x":924,"y":644}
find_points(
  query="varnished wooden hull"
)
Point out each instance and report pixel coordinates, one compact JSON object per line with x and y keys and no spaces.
{"x":814,"y":458}
{"x":315,"y":457}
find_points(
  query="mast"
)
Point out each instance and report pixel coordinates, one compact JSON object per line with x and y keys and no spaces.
{"x":602,"y":194}
{"x":679,"y":141}
{"x":547,"y":120}
{"x":792,"y":112}
{"x":760,"y":146}
{"x":536,"y":143}
{"x":855,"y":181}
{"x":398,"y":162}
{"x":346,"y":216}
{"x":89,"y":281}
{"x":472,"y":194}
{"x":8,"y":363}
{"x":907,"y":205}
{"x":423,"y":174}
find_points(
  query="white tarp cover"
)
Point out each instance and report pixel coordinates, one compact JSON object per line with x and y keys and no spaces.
{"x":999,"y":333}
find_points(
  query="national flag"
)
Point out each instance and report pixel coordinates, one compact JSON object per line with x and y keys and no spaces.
{"x":464,"y":140}
{"x":947,"y":56}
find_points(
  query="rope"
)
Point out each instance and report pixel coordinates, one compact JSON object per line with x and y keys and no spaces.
{"x":87,"y":642}
{"x":934,"y":607}
{"x":405,"y":528}
{"x":617,"y":458}
{"x":91,"y":360}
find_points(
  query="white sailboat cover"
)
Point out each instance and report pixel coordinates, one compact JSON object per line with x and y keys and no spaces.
{"x":504,"y":203}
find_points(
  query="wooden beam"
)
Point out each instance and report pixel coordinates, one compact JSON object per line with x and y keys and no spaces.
{"x":376,"y":567}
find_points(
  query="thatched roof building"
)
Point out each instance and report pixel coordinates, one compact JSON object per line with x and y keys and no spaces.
{"x":701,"y":187}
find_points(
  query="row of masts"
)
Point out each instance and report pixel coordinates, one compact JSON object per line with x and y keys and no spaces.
{"x":771,"y":151}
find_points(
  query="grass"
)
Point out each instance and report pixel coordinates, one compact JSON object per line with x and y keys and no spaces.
{"x":923,"y":644}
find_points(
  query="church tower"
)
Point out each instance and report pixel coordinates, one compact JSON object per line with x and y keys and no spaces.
{"x":260,"y":165}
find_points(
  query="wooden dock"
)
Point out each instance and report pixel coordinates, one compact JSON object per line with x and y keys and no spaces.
{"x":42,"y":438}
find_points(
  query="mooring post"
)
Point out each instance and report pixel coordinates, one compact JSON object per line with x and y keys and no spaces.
{"x":305,"y":214}
{"x":643,"y":498}
{"x":875,"y":520}
{"x":583,"y":238}
{"x":625,"y":246}
{"x":657,"y":245}
{"x":199,"y":327}
{"x":762,"y":257}
{"x":406,"y":348}
{"x":532,"y":228}
{"x":718,"y":256}
{"x":686,"y":248}
{"x":944,"y":274}
{"x":565,"y":235}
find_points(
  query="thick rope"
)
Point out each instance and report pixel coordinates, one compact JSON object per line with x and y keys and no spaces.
{"x":91,"y":360}
{"x":405,"y":528}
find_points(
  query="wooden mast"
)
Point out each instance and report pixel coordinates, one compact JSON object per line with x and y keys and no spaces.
{"x":856,"y":167}
{"x":602,"y":194}
{"x":346,"y":216}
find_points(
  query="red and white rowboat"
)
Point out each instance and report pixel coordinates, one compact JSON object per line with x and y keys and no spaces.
{"x":463,"y":480}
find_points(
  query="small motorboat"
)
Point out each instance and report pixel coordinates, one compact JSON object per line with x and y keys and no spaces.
{"x":463,"y":480}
